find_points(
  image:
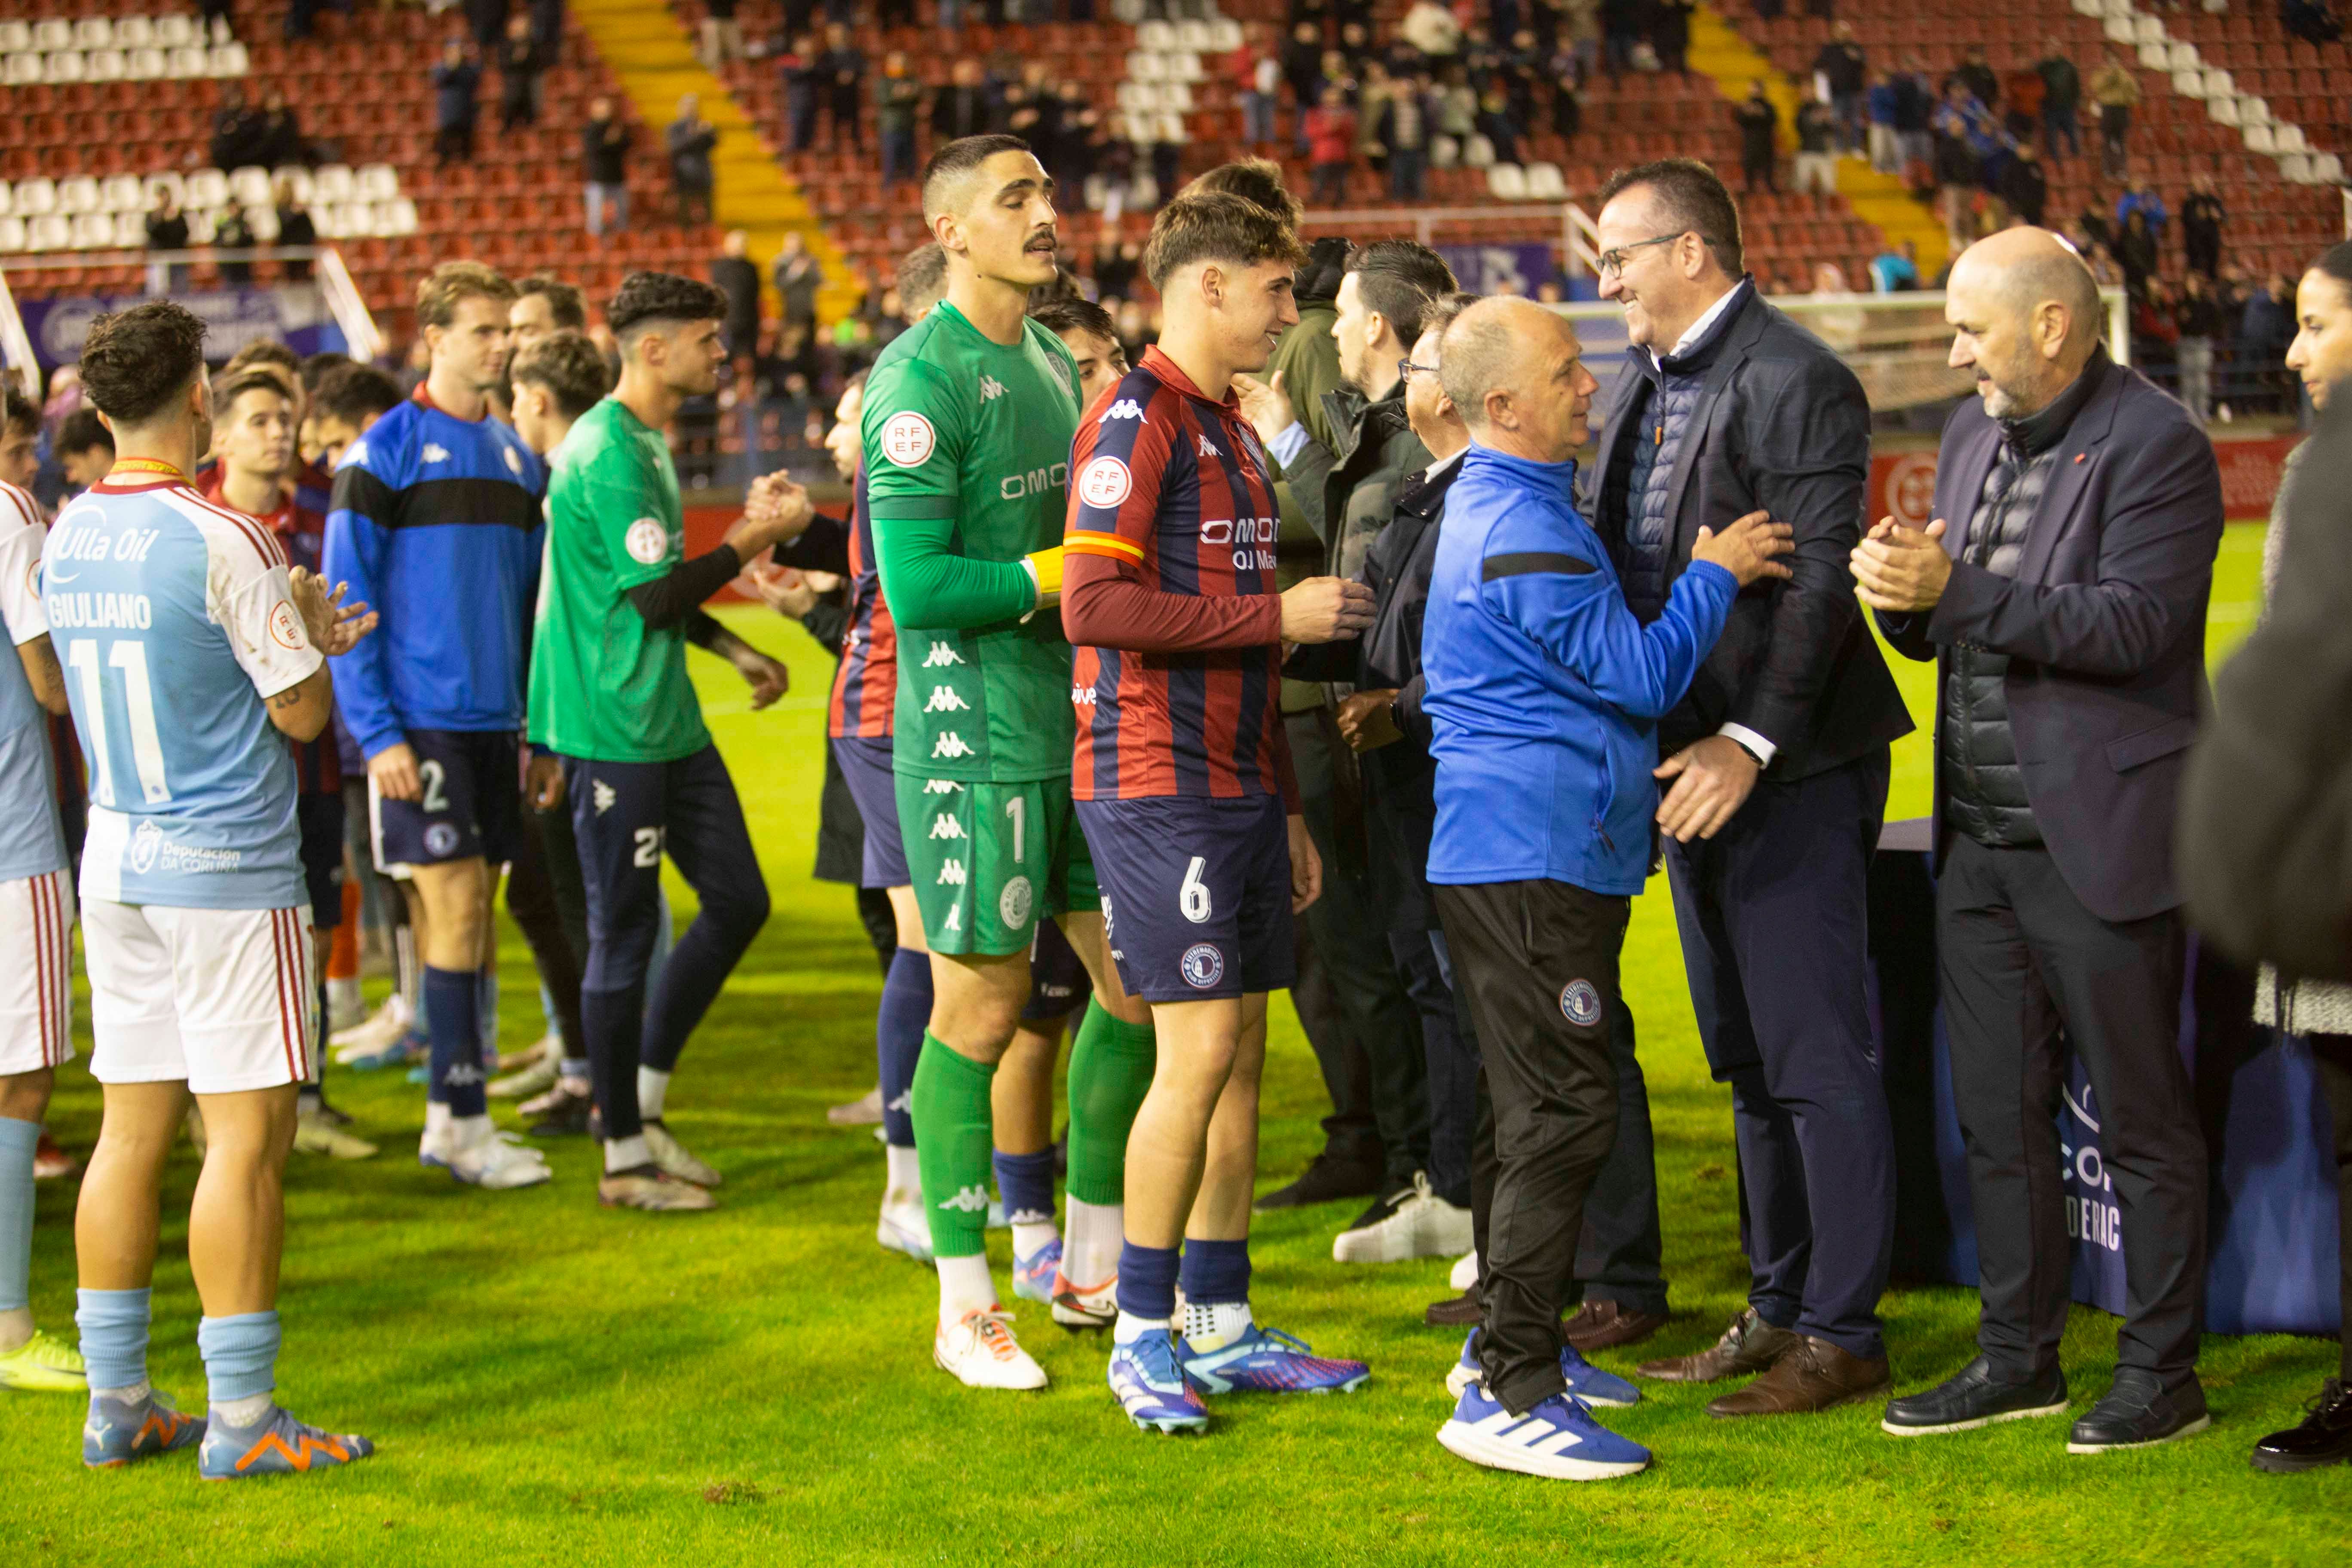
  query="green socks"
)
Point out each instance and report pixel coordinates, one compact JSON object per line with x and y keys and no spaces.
{"x":1111,"y":1063}
{"x":953,"y":1144}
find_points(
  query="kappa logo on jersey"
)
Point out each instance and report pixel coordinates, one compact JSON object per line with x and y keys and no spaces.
{"x":1125,"y":408}
{"x":945,"y":700}
{"x":951,"y":873}
{"x":941,"y":786}
{"x":440,"y":839}
{"x":354,"y":453}
{"x":1204,"y":965}
{"x":955,"y":918}
{"x":1105,"y":483}
{"x":1012,"y":905}
{"x":1207,"y":450}
{"x":603,"y":797}
{"x":951,"y":745}
{"x":435,"y":453}
{"x":286,"y":630}
{"x":905,"y":1102}
{"x":941,"y":656}
{"x":970,"y":1200}
{"x":991,"y":389}
{"x":647,"y":541}
{"x":1579,"y":1004}
{"x":946,"y":828}
{"x":514,"y":462}
{"x":908,"y":438}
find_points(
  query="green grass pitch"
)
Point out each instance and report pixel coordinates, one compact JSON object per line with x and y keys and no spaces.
{"x":553,"y":1383}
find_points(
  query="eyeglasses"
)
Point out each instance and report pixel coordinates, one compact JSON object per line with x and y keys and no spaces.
{"x":1610,"y":261}
{"x":1405,"y":368}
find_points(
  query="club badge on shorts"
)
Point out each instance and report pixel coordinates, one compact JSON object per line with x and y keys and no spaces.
{"x":1204,"y":965}
{"x":1013,"y":904}
{"x":440,"y":839}
{"x":1579,"y":1004}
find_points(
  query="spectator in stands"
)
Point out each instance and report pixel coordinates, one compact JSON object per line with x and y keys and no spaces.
{"x":2202,"y":217}
{"x":2155,"y":330}
{"x":489,"y":20}
{"x":798,"y":276}
{"x":1404,"y":130}
{"x":280,"y":140}
{"x":1915,"y":113}
{"x":1841,"y":72}
{"x":897,"y":100}
{"x":1759,"y":128}
{"x":456,"y":81}
{"x":167,"y":229}
{"x":1818,"y":130}
{"x":520,"y":63}
{"x":231,"y":232}
{"x":2024,"y":186}
{"x":1257,"y":75}
{"x":2310,"y":21}
{"x":2025,"y":92}
{"x":605,"y":148}
{"x":84,"y":448}
{"x":1976,"y":73}
{"x":294,"y":229}
{"x":2102,"y":263}
{"x":1497,"y":125}
{"x":2265,"y":330}
{"x":796,"y":65}
{"x":1457,"y":104}
{"x":234,"y":130}
{"x":2135,"y":252}
{"x":1670,"y":34}
{"x":1896,"y":271}
{"x":1330,"y":143}
{"x":733,"y":275}
{"x":1430,"y":29}
{"x":1567,"y":101}
{"x":2141,"y":196}
{"x":2062,"y":101}
{"x":1578,"y":32}
{"x":722,"y":36}
{"x":843,"y":69}
{"x":2199,"y":316}
{"x":2115,"y":90}
{"x":1882,"y":106}
{"x":961,"y":107}
{"x":1302,"y":68}
{"x":547,"y":28}
{"x":689,"y":139}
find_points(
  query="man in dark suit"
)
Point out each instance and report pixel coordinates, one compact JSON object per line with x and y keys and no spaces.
{"x":2062,"y":592}
{"x":1777,"y":761}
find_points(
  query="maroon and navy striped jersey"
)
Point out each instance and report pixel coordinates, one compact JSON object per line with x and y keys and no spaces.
{"x":865,"y":682}
{"x":1168,"y":596}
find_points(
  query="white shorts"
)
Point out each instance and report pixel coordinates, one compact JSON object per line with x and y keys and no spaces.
{"x":218,"y":997}
{"x":37,"y":916}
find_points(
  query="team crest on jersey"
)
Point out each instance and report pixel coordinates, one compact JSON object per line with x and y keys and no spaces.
{"x":1204,"y":965}
{"x":908,"y":438}
{"x":441,"y":839}
{"x":647,"y":541}
{"x":1013,"y":904}
{"x":285,"y":629}
{"x":991,"y":389}
{"x":945,"y":700}
{"x":146,"y":843}
{"x":1579,"y":1004}
{"x":1124,"y":408}
{"x":435,"y":453}
{"x":1105,"y":483}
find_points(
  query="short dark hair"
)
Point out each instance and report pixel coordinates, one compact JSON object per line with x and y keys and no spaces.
{"x":956,"y":159}
{"x":135,"y":361}
{"x":570,"y":367}
{"x":650,"y":299}
{"x":235,"y":383}
{"x":1257,"y":180}
{"x":922,"y":277}
{"x":82,"y":430}
{"x":1693,"y":197}
{"x":1074,"y":316}
{"x":264,"y":351}
{"x":1216,"y":226}
{"x":315,"y":368}
{"x":1398,"y":278}
{"x":567,"y":303}
{"x":19,"y":415}
{"x":354,"y":392}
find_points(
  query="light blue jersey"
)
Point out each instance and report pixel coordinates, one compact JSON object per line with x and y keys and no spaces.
{"x":31,"y":844}
{"x":174,"y":622}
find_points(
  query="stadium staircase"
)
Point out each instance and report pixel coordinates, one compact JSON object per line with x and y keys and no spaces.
{"x":655,"y":63}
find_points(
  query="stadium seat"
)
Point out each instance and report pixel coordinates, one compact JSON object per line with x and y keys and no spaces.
{"x":332,"y":183}
{"x":175,"y":31}
{"x":123,"y":194}
{"x":130,"y":231}
{"x":375,"y":182}
{"x":204,"y":188}
{"x":93,"y":231}
{"x":154,"y":184}
{"x":104,"y":65}
{"x":1546,"y":184}
{"x":65,"y":67}
{"x":52,"y":35}
{"x":144,"y":65}
{"x":16,"y":37}
{"x":249,"y":186}
{"x":399,"y":217}
{"x":227,"y":59}
{"x":94,"y":33}
{"x":186,"y":62}
{"x":77,"y":193}
{"x":134,"y":33}
{"x":1507,"y":182}
{"x":50,"y":232}
{"x":263,"y":221}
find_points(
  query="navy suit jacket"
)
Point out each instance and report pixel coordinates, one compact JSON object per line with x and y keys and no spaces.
{"x":2104,"y":623}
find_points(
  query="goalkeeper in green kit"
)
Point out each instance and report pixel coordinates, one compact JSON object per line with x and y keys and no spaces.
{"x":967,"y":425}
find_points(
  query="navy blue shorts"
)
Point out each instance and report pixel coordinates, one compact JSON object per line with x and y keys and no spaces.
{"x":1195,"y":894}
{"x":319,"y":818}
{"x":866,"y":763}
{"x":469,"y":805}
{"x":1059,"y":983}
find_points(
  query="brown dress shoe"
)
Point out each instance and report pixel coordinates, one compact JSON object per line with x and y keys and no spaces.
{"x":1749,"y":1346}
{"x":1460,"y":1312}
{"x":1814,"y":1375}
{"x":1605,"y":1325}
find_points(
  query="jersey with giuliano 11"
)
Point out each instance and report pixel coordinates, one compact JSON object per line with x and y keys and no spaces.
{"x":960,"y":426}
{"x":175,"y":623}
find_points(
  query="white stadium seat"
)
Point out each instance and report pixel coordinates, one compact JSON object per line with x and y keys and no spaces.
{"x":8,"y":198}
{"x":2155,"y":57}
{"x":2253,"y":111}
{"x":77,"y":193}
{"x":1444,"y":151}
{"x":37,"y":198}
{"x":94,"y":33}
{"x":1477,"y":153}
{"x":2184,"y":57}
{"x":400,"y":218}
{"x":2148,"y":30}
{"x":134,"y":33}
{"x":2222,"y":109}
{"x":123,"y":194}
{"x":2118,"y":29}
{"x":1224,"y":36}
{"x":249,"y":186}
{"x":12,"y":235}
{"x":105,"y":65}
{"x":2295,"y":169}
{"x":144,"y":65}
{"x":93,"y":231}
{"x":154,"y":184}
{"x":2189,"y":84}
{"x":2289,"y":139}
{"x":50,"y":232}
{"x":174,"y":32}
{"x":1546,"y":183}
{"x":52,"y":35}
{"x":1193,"y":36}
{"x":21,"y":69}
{"x":2258,"y":139}
{"x":1507,"y":182}
{"x":185,"y":63}
{"x":263,"y":221}
{"x":2326,"y":169}
{"x":64,"y":67}
{"x":227,"y":59}
{"x":200,"y":224}
{"x":1157,"y":36}
{"x":1144,"y":65}
{"x":16,"y":37}
{"x":375,"y":182}
{"x":295,"y":177}
{"x":332,"y":183}
{"x":130,"y":231}
{"x":204,"y":188}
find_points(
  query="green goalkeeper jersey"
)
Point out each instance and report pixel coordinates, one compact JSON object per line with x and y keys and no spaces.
{"x":967,"y":463}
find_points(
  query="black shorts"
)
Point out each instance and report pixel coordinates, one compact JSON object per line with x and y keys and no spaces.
{"x":469,"y":802}
{"x":1059,"y":984}
{"x":1195,"y":894}
{"x":321,"y":819}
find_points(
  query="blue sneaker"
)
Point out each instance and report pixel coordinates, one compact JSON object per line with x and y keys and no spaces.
{"x":1032,"y":1276}
{"x":115,"y":1434}
{"x":1268,"y":1361}
{"x":1558,"y":1439}
{"x":412,"y":1047}
{"x":1152,"y":1388}
{"x":277,"y":1445}
{"x":1585,"y":1381}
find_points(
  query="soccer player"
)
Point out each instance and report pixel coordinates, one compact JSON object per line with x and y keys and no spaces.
{"x":255,"y":417}
{"x":609,"y":698}
{"x":1087,"y":331}
{"x":349,"y":401}
{"x":37,"y":909}
{"x":84,"y":450}
{"x":1182,"y":783}
{"x":194,"y":655}
{"x":436,"y":521}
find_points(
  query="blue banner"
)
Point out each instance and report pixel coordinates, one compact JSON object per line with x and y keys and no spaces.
{"x":293,"y":314}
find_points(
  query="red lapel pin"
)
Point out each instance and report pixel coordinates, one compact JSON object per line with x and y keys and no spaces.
{"x":2080,"y":456}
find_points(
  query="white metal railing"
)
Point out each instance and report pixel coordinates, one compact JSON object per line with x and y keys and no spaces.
{"x":17,"y":344}
{"x":363,"y":341}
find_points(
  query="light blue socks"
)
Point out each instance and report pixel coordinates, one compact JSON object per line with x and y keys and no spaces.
{"x":114,"y":1340}
{"x":17,"y":1141}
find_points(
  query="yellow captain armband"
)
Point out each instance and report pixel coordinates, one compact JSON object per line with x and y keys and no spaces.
{"x":1046,"y":568}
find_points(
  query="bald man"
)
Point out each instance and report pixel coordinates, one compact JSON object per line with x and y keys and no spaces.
{"x":1543,"y":692}
{"x":2061,"y":589}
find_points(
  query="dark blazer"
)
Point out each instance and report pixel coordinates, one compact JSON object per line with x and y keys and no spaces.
{"x":1782,"y":425}
{"x":2104,"y":623}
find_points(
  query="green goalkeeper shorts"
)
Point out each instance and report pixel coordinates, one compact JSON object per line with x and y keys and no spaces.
{"x":988,"y":860}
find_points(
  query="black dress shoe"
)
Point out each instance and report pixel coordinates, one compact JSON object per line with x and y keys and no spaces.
{"x":1460,"y":1312}
{"x":2139,"y":1411}
{"x":1975,"y":1397}
{"x":1326,"y":1180}
{"x":2324,"y":1438}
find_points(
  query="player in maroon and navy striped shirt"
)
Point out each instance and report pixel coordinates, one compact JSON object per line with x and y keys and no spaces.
{"x":1182,"y":780}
